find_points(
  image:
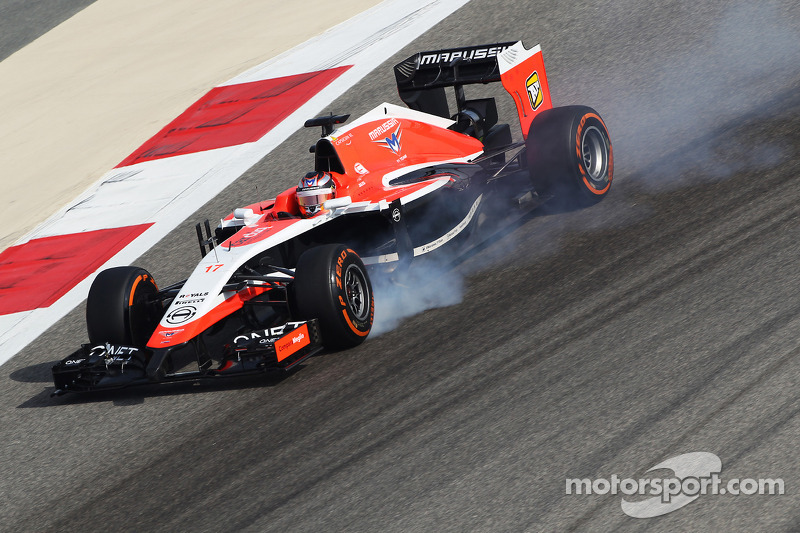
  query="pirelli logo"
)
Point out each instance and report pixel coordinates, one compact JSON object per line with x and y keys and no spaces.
{"x":534,"y":90}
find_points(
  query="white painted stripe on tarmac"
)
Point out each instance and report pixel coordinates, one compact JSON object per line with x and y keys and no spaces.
{"x":399,"y":22}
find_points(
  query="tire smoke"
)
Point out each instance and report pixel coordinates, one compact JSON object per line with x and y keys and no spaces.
{"x":681,"y":127}
{"x":425,"y":287}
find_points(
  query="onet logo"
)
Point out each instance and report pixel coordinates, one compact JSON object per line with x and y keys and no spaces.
{"x":695,"y":474}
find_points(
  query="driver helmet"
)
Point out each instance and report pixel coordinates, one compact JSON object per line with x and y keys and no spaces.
{"x":313,"y":191}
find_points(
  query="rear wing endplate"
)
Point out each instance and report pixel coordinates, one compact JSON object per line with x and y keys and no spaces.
{"x":422,"y":78}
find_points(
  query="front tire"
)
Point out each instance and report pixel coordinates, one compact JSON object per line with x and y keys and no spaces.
{"x":331,"y":284}
{"x":120,"y":310}
{"x":570,"y":155}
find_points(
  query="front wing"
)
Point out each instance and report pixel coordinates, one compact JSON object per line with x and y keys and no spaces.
{"x":108,"y":366}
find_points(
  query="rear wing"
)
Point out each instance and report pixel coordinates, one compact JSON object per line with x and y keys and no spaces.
{"x":422,"y":78}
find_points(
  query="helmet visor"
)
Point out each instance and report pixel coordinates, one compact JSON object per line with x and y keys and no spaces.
{"x":314,"y":197}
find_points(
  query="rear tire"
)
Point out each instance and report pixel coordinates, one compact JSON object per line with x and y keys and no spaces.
{"x":331,"y":284}
{"x":569,"y":154}
{"x":117,"y":309}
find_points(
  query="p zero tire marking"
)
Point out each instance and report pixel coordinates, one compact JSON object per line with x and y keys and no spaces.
{"x":136,"y":282}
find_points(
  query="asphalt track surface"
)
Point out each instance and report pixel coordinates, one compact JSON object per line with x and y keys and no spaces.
{"x":588,"y":343}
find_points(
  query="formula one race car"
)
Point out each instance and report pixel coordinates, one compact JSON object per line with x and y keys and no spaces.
{"x":284,"y":278}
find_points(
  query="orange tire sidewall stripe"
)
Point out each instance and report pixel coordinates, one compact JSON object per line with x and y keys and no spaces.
{"x":353,"y":326}
{"x":133,"y":290}
{"x":610,"y":154}
{"x":143,"y":277}
{"x":350,"y":324}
